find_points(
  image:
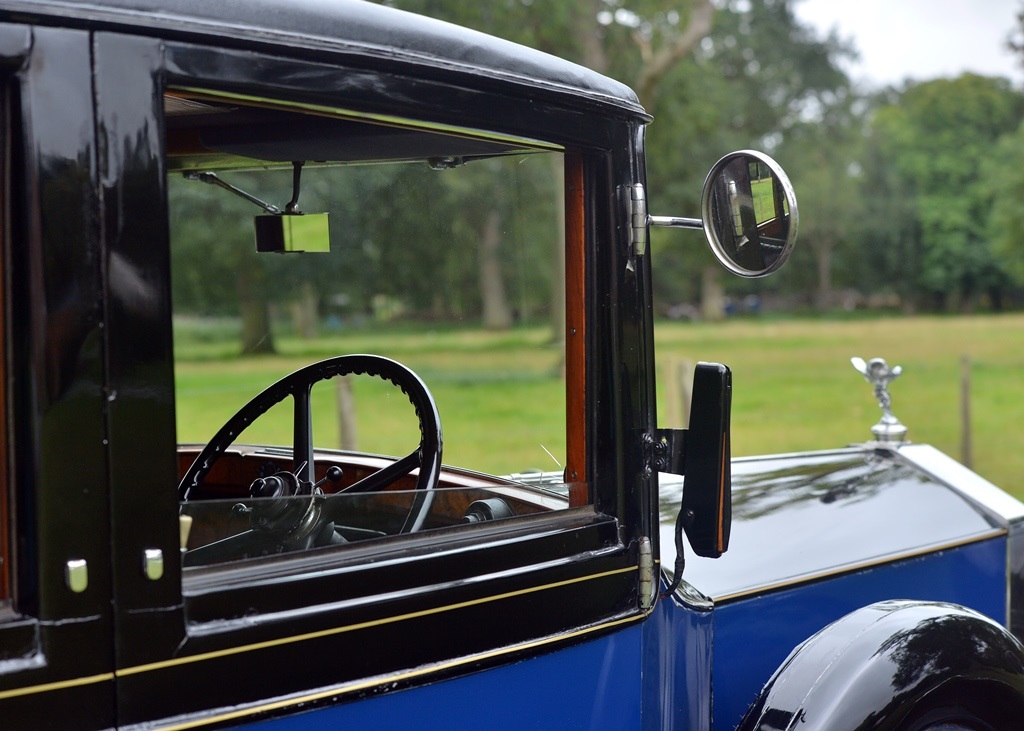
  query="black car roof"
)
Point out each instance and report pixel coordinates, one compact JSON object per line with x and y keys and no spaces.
{"x":352,"y":27}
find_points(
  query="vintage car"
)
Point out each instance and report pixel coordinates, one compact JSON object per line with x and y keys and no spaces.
{"x":159,"y":569}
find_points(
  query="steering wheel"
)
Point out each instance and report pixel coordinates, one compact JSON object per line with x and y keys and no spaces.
{"x":298,"y":385}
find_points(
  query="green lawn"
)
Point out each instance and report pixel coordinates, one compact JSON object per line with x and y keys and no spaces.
{"x":764,"y":200}
{"x":794,"y":388}
{"x":500,"y":396}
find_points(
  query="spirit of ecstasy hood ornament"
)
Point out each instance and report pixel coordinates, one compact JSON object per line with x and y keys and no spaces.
{"x":879,"y":374}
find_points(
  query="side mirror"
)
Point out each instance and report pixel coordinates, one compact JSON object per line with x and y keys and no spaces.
{"x":748,"y":213}
{"x":702,"y":454}
{"x":707,"y":463}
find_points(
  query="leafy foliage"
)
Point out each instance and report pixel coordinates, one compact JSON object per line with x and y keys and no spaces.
{"x":934,"y":139}
{"x":912,"y":191}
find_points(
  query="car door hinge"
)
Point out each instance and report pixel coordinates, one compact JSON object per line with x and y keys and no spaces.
{"x":634,"y":197}
{"x":646,"y":574}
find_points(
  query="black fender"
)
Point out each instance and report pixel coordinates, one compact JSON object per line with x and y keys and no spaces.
{"x":897,"y":665}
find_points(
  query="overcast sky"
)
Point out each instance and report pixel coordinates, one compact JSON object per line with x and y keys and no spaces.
{"x":921,"y":39}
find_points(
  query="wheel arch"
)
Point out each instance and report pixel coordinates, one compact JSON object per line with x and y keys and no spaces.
{"x":896,"y":664}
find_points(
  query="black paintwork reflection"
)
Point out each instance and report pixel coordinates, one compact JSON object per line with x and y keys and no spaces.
{"x":943,"y":647}
{"x":897,"y":664}
{"x":939,"y":645}
{"x":796,"y":516}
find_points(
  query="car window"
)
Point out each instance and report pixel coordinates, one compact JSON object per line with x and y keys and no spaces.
{"x":408,"y":303}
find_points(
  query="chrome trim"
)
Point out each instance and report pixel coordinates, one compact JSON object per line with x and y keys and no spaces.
{"x":877,"y":372}
{"x":153,"y":563}
{"x":646,"y":576}
{"x":1005,"y":508}
{"x":994,"y":502}
{"x":76,"y":575}
{"x":634,"y":199}
{"x":705,"y":213}
{"x":688,"y":595}
{"x":853,"y":449}
{"x":676,"y":222}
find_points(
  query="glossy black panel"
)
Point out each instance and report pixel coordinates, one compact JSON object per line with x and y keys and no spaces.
{"x":345,"y":27}
{"x":800,"y":516}
{"x":57,"y":369}
{"x":423,"y":97}
{"x":139,"y":386}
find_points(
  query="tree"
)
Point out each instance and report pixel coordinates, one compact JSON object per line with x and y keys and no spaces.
{"x":758,"y":80}
{"x":1004,"y":181}
{"x":935,"y":136}
{"x":739,"y":75}
{"x":822,"y":156}
{"x":212,"y":243}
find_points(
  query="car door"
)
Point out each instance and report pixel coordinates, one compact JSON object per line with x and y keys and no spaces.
{"x":340,"y":630}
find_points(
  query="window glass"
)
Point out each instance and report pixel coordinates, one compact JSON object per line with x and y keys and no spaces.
{"x":438,"y":249}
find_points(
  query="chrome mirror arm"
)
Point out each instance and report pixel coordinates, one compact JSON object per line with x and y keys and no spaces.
{"x":214,"y":179}
{"x":675,"y":222}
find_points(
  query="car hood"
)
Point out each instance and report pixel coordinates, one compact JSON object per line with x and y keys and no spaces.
{"x":801,"y":517}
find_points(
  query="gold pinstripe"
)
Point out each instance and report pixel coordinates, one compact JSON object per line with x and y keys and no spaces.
{"x":363,"y":625}
{"x":58,"y":685}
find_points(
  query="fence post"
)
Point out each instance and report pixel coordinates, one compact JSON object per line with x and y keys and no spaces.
{"x":346,"y":413}
{"x":678,"y":391}
{"x":965,"y":410}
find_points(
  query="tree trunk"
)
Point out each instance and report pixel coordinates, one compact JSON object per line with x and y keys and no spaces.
{"x":823,"y":255}
{"x":346,"y":414}
{"x":305,"y":312}
{"x":594,"y":56}
{"x":497,"y":315}
{"x":254,"y":308}
{"x":658,"y":62}
{"x":712,"y":294}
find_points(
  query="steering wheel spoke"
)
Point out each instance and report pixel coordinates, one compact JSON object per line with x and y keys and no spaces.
{"x":426,"y":457}
{"x":302,"y":440}
{"x":383,"y":477}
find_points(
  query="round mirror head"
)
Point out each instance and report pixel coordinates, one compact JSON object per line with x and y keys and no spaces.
{"x":748,"y":209}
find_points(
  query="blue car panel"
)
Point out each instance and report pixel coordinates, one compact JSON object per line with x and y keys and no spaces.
{"x":582,"y":683}
{"x":753,"y":636}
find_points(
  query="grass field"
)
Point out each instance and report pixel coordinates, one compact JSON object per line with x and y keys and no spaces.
{"x":794,"y":388}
